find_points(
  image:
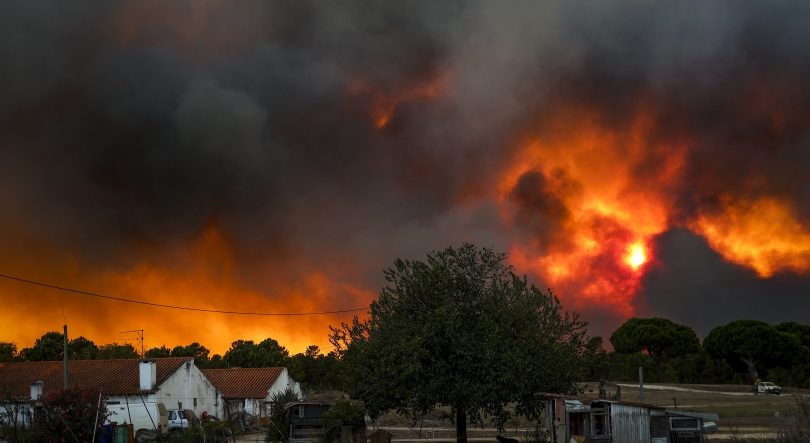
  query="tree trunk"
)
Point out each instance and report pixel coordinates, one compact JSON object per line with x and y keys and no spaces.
{"x":790,"y":376}
{"x":752,"y":369}
{"x":461,"y":425}
{"x":661,"y":376}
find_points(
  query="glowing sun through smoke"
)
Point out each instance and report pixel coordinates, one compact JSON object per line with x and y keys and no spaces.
{"x":637,"y":256}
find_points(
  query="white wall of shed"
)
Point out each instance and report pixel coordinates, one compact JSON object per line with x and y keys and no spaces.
{"x":186,"y":384}
{"x":282,"y":383}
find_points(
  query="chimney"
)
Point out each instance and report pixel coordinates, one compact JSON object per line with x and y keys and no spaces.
{"x":148,"y":370}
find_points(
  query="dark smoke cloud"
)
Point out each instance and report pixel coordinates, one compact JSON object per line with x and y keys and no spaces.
{"x":127,"y":128}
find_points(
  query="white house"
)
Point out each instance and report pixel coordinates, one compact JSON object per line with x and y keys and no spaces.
{"x":249,"y":389}
{"x":175,"y":382}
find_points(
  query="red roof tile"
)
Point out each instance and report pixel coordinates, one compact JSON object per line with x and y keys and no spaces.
{"x":114,"y":377}
{"x":243,"y":382}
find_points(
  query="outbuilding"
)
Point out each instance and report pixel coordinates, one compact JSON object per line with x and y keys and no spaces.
{"x":249,"y":390}
{"x":612,"y":421}
{"x":175,"y":382}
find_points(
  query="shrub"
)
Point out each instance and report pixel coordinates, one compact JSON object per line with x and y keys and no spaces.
{"x":342,"y":412}
{"x":279,"y":427}
{"x":70,"y":414}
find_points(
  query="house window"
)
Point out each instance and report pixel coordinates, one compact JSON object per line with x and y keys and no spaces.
{"x":195,"y":402}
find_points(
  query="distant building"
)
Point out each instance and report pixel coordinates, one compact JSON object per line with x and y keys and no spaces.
{"x":612,"y":421}
{"x":249,"y":389}
{"x":175,"y":382}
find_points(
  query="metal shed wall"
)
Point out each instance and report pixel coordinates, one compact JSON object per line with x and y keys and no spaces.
{"x":631,"y":424}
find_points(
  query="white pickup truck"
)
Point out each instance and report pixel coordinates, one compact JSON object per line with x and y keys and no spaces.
{"x":766,"y":387}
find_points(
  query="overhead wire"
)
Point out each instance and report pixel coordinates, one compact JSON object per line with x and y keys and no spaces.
{"x":216,"y":311}
{"x":184,"y":308}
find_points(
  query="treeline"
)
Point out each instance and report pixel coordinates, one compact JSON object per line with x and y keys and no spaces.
{"x":311,"y":368}
{"x":737,"y":353}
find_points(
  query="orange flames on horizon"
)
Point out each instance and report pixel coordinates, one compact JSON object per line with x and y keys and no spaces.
{"x":199,"y":274}
{"x":609,"y":211}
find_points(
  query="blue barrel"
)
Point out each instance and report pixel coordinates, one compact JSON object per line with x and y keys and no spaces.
{"x":106,"y":434}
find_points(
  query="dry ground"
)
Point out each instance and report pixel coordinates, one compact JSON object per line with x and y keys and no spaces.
{"x":736,"y":405}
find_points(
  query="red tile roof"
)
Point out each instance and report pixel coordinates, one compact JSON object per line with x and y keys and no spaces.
{"x":114,"y":377}
{"x":243,"y":382}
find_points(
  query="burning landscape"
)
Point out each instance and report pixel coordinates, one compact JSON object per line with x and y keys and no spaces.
{"x":275,"y":158}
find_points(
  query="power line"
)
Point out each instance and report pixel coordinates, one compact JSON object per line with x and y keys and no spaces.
{"x":184,"y":308}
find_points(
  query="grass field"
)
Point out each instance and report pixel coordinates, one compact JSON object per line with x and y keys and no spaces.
{"x":737,"y":406}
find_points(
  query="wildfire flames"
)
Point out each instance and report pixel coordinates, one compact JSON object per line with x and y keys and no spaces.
{"x":277,"y":157}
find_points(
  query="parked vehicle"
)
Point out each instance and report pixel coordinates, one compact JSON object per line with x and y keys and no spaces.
{"x":180,"y":420}
{"x":766,"y":387}
{"x":148,"y":419}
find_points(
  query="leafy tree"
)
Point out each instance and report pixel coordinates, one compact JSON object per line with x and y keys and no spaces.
{"x":81,"y":348}
{"x":657,"y":337}
{"x":49,"y":347}
{"x":744,"y":344}
{"x":70,"y":415}
{"x":247,"y":354}
{"x":311,"y":368}
{"x":161,"y":352}
{"x":343,"y":412}
{"x":313,"y":351}
{"x":216,"y":362}
{"x":802,"y":332}
{"x":8,"y":351}
{"x":195,"y":350}
{"x":113,"y":351}
{"x":460,"y":330}
{"x":788,"y":352}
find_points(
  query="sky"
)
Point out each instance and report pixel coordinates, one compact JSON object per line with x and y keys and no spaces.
{"x":639,"y":159}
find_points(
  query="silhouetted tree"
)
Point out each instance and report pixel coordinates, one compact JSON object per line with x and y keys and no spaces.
{"x":247,"y":354}
{"x":461,"y":330}
{"x":49,"y":347}
{"x":657,"y":337}
{"x":81,"y":348}
{"x":744,"y":344}
{"x":8,"y":351}
{"x":161,"y":352}
{"x":113,"y":350}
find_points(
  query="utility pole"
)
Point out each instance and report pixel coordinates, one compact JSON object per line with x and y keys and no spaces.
{"x":65,"y":352}
{"x":641,"y":384}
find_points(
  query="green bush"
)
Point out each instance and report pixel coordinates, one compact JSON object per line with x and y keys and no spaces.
{"x":279,"y":427}
{"x":344,"y":412}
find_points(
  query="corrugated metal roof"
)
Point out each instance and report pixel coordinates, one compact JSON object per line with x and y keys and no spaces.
{"x":243,"y":382}
{"x":114,"y":377}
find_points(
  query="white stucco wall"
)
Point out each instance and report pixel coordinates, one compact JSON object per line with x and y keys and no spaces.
{"x":258,"y":406}
{"x":283,"y":382}
{"x":186,"y":384}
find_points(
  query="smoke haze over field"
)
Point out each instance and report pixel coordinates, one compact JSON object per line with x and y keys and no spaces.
{"x":639,"y":159}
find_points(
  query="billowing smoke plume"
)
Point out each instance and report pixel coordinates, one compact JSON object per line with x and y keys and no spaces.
{"x":639,"y":159}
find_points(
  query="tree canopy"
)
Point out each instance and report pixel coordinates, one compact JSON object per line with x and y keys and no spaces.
{"x":744,"y":344}
{"x":460,"y":330}
{"x":49,"y":347}
{"x":247,"y":354}
{"x":8,"y":351}
{"x":657,"y":337}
